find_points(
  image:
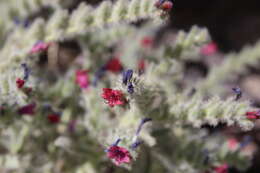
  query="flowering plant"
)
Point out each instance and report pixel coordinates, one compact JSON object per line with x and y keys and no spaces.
{"x":88,"y":76}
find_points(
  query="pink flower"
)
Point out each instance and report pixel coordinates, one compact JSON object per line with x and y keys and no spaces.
{"x":119,"y":155}
{"x":232,"y":143}
{"x":53,"y":118}
{"x":114,"y":65}
{"x":27,"y":109}
{"x":82,"y":78}
{"x":113,"y":97}
{"x":39,"y":46}
{"x":209,"y":49}
{"x":147,"y":42}
{"x":253,"y":115}
{"x":221,"y":169}
{"x":19,"y":83}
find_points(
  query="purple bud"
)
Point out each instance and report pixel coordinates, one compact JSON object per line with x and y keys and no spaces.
{"x":246,"y":140}
{"x":27,"y":71}
{"x":99,"y":74}
{"x":136,"y":144}
{"x":143,"y":121}
{"x":206,"y":158}
{"x":238,"y":93}
{"x":127,"y":75}
{"x":114,"y":144}
{"x":117,"y":142}
{"x":130,"y":88}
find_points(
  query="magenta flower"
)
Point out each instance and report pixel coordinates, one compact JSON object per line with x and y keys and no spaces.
{"x":119,"y":155}
{"x":113,"y":97}
{"x":20,"y":83}
{"x":39,"y":47}
{"x":253,"y":115}
{"x":114,"y":65}
{"x":82,"y":78}
{"x":27,"y":109}
{"x":209,"y":49}
{"x":221,"y":169}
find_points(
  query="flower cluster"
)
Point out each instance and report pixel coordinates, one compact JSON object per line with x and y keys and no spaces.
{"x":119,"y":154}
{"x":113,"y":97}
{"x":114,"y":65}
{"x":20,"y":82}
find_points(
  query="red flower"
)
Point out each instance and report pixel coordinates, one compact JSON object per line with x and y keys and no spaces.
{"x":209,"y":49}
{"x":253,"y":115}
{"x":27,"y":109}
{"x":147,"y":42}
{"x":54,"y":118}
{"x":113,"y":97}
{"x":82,"y":78}
{"x":221,"y":169}
{"x":19,"y":83}
{"x":114,"y":65}
{"x":167,"y":5}
{"x":39,"y":46}
{"x":119,"y":155}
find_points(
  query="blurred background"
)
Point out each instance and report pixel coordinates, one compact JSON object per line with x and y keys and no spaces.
{"x":232,"y":25}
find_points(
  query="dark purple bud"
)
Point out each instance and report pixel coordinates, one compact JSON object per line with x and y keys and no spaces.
{"x":130,"y":88}
{"x":114,"y":144}
{"x":16,"y":21}
{"x":71,"y":126}
{"x":26,"y":23}
{"x":136,"y":144}
{"x":143,"y":121}
{"x":117,"y":142}
{"x":99,"y":74}
{"x":192,"y":92}
{"x":27,"y":71}
{"x":206,"y":156}
{"x":47,"y":107}
{"x":127,"y":75}
{"x":238,"y":93}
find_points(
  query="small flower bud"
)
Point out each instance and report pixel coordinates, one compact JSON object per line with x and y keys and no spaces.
{"x":238,"y":93}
